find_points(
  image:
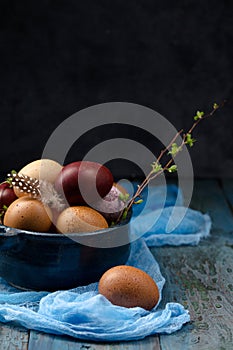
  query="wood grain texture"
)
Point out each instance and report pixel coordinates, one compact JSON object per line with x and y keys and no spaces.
{"x":201,"y":278}
{"x":40,"y":341}
{"x":13,"y":338}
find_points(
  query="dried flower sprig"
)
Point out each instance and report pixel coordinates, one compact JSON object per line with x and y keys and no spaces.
{"x":171,"y":150}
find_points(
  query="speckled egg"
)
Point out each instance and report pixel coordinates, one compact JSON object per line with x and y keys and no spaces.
{"x":129,"y":286}
{"x":80,"y":219}
{"x":28,"y":214}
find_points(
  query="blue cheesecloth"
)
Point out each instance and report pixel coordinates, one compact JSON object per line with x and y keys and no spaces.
{"x":85,"y":314}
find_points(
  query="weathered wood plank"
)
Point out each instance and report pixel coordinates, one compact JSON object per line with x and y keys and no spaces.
{"x":12,"y":338}
{"x":40,"y":341}
{"x":201,"y":278}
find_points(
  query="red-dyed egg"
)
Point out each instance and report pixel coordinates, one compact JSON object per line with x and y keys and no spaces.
{"x":83,"y":182}
{"x":7,"y":195}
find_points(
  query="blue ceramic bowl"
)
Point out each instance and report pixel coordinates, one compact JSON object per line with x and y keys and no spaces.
{"x":51,"y":261}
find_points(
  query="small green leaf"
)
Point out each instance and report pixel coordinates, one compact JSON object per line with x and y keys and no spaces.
{"x":3,"y":210}
{"x":124,"y":215}
{"x":189,"y":140}
{"x":174,"y":149}
{"x":215,"y":106}
{"x":156,"y":167}
{"x":172,"y":168}
{"x":123,"y":197}
{"x":138,"y":201}
{"x":198,"y":115}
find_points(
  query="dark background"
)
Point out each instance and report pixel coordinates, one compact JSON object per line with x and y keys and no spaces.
{"x":58,"y":57}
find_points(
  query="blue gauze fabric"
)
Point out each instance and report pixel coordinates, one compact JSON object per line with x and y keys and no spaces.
{"x":167,"y":222}
{"x":83,"y":313}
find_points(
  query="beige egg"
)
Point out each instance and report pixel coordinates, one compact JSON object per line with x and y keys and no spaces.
{"x":29,"y":214}
{"x":80,"y":219}
{"x":129,"y":286}
{"x":41,"y":169}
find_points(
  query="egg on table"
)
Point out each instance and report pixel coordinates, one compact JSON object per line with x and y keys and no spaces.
{"x":80,"y":219}
{"x":29,"y":214}
{"x":129,"y":286}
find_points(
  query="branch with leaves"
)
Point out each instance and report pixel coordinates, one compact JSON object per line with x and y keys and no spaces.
{"x":171,"y":150}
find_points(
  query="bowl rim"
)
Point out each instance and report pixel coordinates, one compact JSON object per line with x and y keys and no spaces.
{"x":14,"y":231}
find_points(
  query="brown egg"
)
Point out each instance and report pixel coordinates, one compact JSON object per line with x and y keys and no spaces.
{"x":28,"y":214}
{"x":129,"y":286}
{"x":80,"y":219}
{"x":41,"y":169}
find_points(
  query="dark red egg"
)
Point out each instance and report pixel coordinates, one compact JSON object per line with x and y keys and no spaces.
{"x":83,"y":182}
{"x":7,"y":195}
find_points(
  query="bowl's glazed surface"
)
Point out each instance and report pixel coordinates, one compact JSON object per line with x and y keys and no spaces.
{"x":50,"y":261}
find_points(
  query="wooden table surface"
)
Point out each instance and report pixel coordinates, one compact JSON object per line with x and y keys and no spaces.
{"x":198,"y":277}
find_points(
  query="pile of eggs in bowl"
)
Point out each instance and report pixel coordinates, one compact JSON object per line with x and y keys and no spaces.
{"x":60,"y":205}
{"x":46,"y":197}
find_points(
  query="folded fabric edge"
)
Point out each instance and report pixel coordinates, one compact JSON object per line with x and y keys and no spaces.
{"x":34,"y":321}
{"x":161,"y":239}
